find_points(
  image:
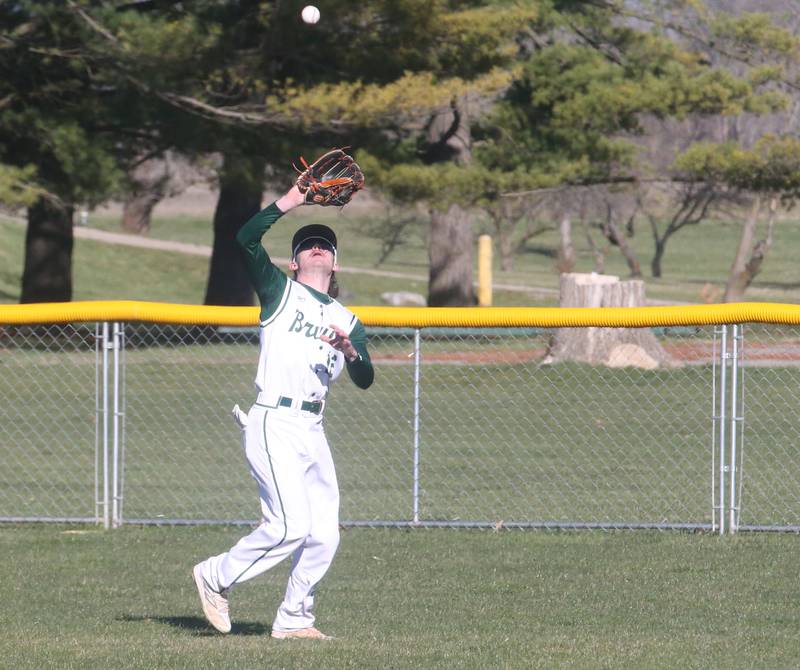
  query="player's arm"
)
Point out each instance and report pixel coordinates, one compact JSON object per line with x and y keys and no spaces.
{"x":360,"y":367}
{"x":354,"y":350}
{"x":267,"y":279}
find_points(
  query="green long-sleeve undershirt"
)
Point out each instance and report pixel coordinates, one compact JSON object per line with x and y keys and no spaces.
{"x":270,"y":282}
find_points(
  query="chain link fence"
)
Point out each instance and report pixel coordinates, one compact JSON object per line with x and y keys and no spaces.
{"x":48,"y":415}
{"x":130,"y":423}
{"x":769,"y":445}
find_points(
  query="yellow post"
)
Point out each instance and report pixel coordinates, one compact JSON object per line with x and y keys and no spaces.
{"x":485,"y":271}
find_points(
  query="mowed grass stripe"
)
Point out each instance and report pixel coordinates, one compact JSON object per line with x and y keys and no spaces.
{"x":78,"y":597}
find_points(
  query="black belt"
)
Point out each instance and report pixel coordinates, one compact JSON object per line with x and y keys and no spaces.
{"x":313,"y":406}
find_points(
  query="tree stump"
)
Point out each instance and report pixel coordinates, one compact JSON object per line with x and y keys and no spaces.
{"x":613,"y":347}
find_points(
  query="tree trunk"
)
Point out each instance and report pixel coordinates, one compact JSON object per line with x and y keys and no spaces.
{"x":137,"y":211}
{"x":451,"y":240}
{"x":451,"y":259}
{"x":655,"y":264}
{"x":762,"y":247}
{"x":154,"y":179}
{"x":613,"y":347}
{"x":47,"y":276}
{"x":739,"y":278}
{"x":615,"y":237}
{"x":151,"y":182}
{"x":566,"y":250}
{"x":506,"y":248}
{"x":597,"y":253}
{"x":241,"y":190}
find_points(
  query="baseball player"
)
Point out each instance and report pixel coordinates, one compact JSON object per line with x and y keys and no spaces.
{"x":306,"y":339}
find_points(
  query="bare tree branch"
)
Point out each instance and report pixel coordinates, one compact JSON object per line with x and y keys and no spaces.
{"x":684,"y":31}
{"x":107,"y":34}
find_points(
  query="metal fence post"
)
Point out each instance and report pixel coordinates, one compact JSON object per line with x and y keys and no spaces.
{"x":104,"y":374}
{"x":721,"y":417}
{"x":122,"y":414}
{"x":733,"y":417}
{"x":115,"y":489}
{"x":729,"y":416}
{"x":98,"y":422}
{"x":714,"y":419}
{"x":736,"y":426}
{"x":415,"y":516}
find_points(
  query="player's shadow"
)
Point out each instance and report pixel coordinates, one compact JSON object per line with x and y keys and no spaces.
{"x":199,"y":625}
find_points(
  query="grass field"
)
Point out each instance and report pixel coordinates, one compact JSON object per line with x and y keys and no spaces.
{"x":697,"y":261}
{"x":76,"y":597}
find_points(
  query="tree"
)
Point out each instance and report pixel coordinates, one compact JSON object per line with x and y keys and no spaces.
{"x":242,"y":69}
{"x":588,"y":79}
{"x":686,"y":204}
{"x":56,"y":133}
{"x":448,"y":140}
{"x":464,"y":45}
{"x":435,"y":148}
{"x":760,"y":47}
{"x":769,"y":171}
{"x":508,"y":214}
{"x":241,"y":188}
{"x":74,"y":118}
{"x":80,"y":108}
{"x":168,"y":53}
{"x":585,"y":98}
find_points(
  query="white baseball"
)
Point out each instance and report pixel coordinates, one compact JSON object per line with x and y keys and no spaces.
{"x":310,"y":14}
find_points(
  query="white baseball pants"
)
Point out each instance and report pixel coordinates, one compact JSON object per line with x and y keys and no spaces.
{"x":290,"y":459}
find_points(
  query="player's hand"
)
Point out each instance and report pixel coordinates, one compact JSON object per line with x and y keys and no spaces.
{"x":341,"y":342}
{"x":291,"y":199}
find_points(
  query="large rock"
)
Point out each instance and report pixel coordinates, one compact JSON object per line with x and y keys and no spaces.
{"x":404,"y":298}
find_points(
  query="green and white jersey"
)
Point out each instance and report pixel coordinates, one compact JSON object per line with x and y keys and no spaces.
{"x":293,"y":361}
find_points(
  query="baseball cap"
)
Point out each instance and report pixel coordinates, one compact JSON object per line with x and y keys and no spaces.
{"x":314,"y":231}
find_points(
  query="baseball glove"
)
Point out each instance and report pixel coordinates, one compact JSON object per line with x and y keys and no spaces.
{"x":332,"y":179}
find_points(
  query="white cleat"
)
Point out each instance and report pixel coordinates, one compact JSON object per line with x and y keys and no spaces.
{"x":300,"y":634}
{"x":215,"y":604}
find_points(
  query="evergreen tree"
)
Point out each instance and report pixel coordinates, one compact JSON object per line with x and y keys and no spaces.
{"x":246,"y":78}
{"x":59,"y":142}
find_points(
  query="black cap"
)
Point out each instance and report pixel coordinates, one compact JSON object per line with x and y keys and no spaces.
{"x":315,"y":231}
